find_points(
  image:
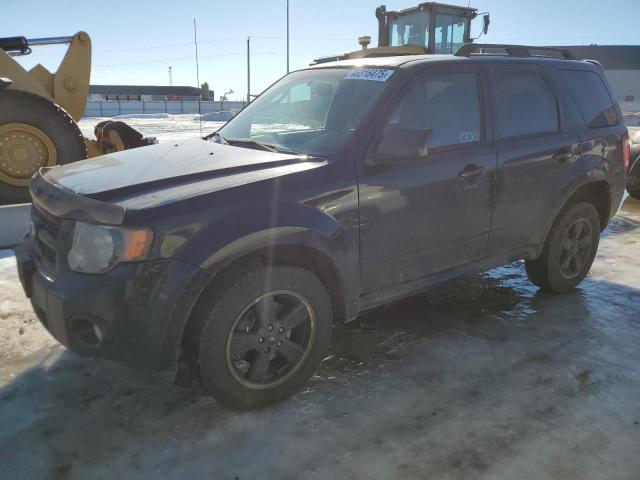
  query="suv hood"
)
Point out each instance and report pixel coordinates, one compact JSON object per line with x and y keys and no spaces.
{"x":141,"y":169}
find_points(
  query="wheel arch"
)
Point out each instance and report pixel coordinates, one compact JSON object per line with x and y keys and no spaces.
{"x":596,"y":191}
{"x":287,"y":246}
{"x":309,"y":257}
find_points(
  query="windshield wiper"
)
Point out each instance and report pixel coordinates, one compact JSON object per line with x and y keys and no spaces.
{"x":246,"y":142}
{"x":249,"y":143}
{"x":216,"y":134}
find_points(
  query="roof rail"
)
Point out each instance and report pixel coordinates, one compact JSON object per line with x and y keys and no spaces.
{"x":469,"y":49}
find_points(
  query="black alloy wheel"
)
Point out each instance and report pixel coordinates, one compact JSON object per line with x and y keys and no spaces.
{"x":575,"y":248}
{"x":259,"y":334}
{"x":569,"y":249}
{"x":270,"y":339}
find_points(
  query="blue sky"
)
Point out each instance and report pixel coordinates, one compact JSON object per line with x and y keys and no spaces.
{"x":134,"y":42}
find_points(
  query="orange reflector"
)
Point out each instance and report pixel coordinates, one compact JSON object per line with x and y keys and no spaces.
{"x":136,"y":243}
{"x":626,"y":151}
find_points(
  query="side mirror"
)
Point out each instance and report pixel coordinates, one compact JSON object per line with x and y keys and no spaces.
{"x":402,"y":144}
{"x":486,"y":21}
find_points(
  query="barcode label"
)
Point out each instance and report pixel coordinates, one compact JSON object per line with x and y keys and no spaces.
{"x":375,"y":74}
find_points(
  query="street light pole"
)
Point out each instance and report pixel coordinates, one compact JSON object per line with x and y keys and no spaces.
{"x":287,"y":36}
{"x":248,"y":70}
{"x":170,"y":79}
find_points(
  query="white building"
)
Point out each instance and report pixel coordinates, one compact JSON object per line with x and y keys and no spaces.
{"x":622,"y":68}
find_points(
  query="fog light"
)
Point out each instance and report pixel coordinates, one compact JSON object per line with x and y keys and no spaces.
{"x":85,"y":332}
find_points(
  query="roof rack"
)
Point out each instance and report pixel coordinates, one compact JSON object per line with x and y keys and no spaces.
{"x":469,"y":49}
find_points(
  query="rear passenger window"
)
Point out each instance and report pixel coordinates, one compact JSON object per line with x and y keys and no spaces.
{"x":594,"y":101}
{"x":525,"y":104}
{"x":448,"y":105}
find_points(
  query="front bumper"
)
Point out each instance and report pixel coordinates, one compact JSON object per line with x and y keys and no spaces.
{"x":140,"y":309}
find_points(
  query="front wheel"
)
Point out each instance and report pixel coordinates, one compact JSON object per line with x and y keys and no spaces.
{"x":568,"y":251}
{"x":260,"y":338}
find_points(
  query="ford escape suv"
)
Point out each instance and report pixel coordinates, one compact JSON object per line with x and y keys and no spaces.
{"x":343,"y":186}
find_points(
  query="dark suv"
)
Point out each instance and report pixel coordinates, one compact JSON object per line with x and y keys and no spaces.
{"x":342,"y":187}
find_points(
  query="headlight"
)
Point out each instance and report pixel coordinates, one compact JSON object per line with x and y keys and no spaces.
{"x":97,"y":248}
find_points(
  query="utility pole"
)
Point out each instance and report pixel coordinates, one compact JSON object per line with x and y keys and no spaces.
{"x":287,"y":36}
{"x":170,"y":79}
{"x":195,"y":43}
{"x":248,"y":70}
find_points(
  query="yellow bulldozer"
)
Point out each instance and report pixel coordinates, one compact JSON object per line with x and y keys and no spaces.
{"x":39,"y":111}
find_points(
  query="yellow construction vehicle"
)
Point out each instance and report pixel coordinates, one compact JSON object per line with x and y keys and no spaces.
{"x":39,"y":111}
{"x":427,"y":28}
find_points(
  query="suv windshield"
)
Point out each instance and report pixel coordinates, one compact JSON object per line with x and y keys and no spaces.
{"x":312,"y":112}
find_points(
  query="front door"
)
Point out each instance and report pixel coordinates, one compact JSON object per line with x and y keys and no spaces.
{"x":426,"y":215}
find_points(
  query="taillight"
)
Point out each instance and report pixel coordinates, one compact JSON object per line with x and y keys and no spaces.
{"x":626,"y":151}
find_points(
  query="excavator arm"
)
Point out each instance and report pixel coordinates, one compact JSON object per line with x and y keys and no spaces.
{"x":68,"y":86}
{"x":39,"y":111}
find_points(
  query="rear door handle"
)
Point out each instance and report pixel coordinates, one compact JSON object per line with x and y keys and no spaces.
{"x":563,"y":154}
{"x":471,"y":171}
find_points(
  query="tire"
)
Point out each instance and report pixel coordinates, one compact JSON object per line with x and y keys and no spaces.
{"x":633,"y":180}
{"x":52,"y":123}
{"x":230,"y":339}
{"x":634,"y":192}
{"x":575,"y":234}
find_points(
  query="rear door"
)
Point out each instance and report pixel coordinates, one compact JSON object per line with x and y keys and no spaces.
{"x":536,"y":143}
{"x":425,"y":215}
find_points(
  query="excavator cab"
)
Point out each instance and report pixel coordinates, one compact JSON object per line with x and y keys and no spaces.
{"x":436,"y":27}
{"x":425,"y":29}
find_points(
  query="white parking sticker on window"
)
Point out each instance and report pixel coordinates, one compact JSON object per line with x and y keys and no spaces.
{"x":466,"y":137}
{"x":375,"y":74}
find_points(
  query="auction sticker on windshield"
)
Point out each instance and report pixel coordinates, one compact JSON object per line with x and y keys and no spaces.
{"x":375,"y":74}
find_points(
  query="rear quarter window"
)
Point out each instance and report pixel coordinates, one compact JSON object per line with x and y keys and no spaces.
{"x":589,"y":91}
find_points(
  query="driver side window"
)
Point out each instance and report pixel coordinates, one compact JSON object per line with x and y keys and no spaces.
{"x":448,"y":105}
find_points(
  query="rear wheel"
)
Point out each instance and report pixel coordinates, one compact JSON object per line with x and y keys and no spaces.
{"x":34,"y":133}
{"x":260,"y":338}
{"x":634,"y":192}
{"x":633,"y":180}
{"x":569,"y":250}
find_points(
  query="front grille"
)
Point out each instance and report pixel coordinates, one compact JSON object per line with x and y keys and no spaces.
{"x":47,"y":236}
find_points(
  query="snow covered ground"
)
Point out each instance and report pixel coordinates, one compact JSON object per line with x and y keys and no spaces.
{"x":163,"y":126}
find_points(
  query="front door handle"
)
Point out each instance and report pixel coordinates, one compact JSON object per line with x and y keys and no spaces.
{"x":359,"y":222}
{"x":471,"y":171}
{"x":563,"y":154}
